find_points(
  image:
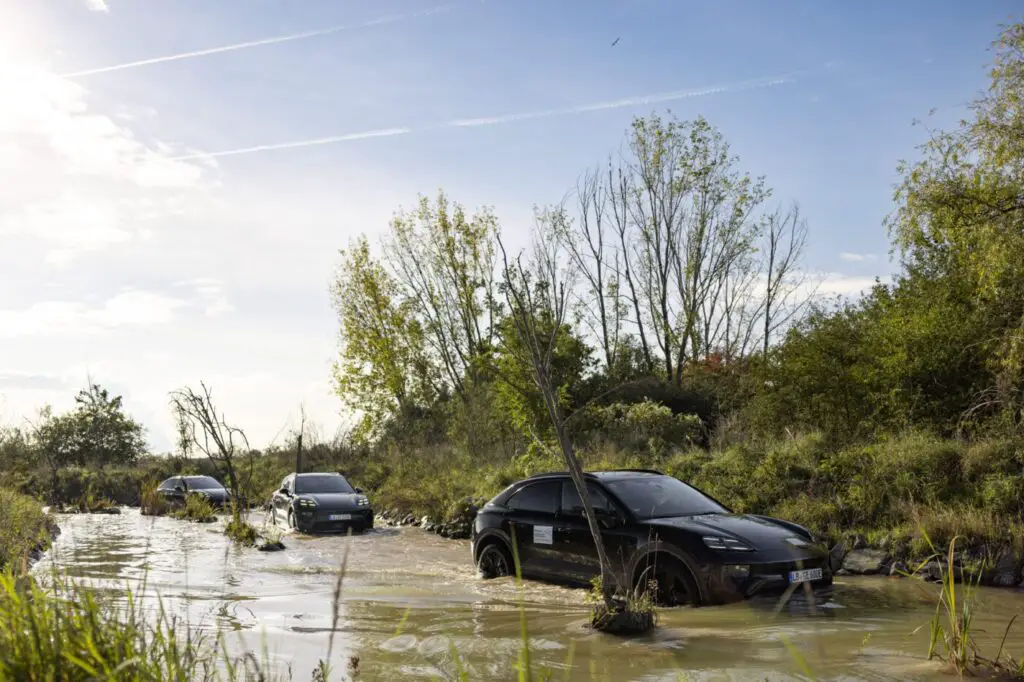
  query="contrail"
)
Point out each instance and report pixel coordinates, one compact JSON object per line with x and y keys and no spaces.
{"x":260,"y":43}
{"x":385,"y":132}
{"x":512,"y":118}
{"x":626,"y":102}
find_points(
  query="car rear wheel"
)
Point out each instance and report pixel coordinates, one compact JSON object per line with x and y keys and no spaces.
{"x":494,"y":562}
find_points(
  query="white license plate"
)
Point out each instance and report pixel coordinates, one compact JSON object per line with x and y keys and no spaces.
{"x":346,"y":517}
{"x":805,"y":576}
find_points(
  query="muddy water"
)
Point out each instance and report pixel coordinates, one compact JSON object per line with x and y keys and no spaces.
{"x":408,"y":597}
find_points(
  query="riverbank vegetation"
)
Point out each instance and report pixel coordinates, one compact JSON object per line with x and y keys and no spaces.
{"x":24,"y":528}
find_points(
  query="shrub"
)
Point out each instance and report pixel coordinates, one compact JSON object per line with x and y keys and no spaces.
{"x":197,"y":509}
{"x":152,"y":502}
{"x":23,"y":528}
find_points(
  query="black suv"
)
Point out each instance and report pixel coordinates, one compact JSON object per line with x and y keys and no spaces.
{"x":316,"y":502}
{"x":655,"y":527}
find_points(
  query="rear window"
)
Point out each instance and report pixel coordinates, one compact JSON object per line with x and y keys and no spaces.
{"x":540,"y":498}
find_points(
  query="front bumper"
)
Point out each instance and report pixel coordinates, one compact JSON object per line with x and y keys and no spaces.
{"x":319,"y":521}
{"x":725,"y":585}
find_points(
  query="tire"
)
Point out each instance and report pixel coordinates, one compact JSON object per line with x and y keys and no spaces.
{"x":291,"y":520}
{"x":675,"y":585}
{"x":494,"y":562}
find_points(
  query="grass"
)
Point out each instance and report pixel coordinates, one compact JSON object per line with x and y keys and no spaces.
{"x":24,"y":527}
{"x":241,"y":531}
{"x":196,"y":509}
{"x":153,"y":503}
{"x":951,"y":628}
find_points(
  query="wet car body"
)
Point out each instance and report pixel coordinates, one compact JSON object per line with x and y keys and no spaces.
{"x":177,"y":488}
{"x":321,"y":503}
{"x":655,"y":527}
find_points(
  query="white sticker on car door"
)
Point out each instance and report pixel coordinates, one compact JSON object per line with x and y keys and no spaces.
{"x":543,"y":535}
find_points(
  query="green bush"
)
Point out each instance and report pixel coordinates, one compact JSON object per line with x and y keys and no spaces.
{"x":23,"y":528}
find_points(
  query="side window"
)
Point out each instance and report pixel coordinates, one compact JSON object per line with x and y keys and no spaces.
{"x":539,"y":498}
{"x":167,"y":485}
{"x":290,"y":484}
{"x":572,"y":504}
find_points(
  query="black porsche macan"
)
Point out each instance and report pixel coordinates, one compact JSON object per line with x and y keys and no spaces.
{"x":325,"y":502}
{"x":655,"y":527}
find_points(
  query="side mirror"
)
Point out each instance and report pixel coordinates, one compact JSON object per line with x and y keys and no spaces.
{"x":359,"y":490}
{"x":178,"y":489}
{"x":283,"y":491}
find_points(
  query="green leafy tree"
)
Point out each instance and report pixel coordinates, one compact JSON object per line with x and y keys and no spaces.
{"x":382,"y":369}
{"x":960,"y":215}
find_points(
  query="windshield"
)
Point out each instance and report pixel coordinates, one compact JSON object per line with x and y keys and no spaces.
{"x":202,"y":483}
{"x":662,"y":496}
{"x":322,"y":484}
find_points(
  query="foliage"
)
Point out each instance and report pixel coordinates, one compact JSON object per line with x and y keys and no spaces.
{"x":152,"y":503}
{"x":23,"y":527}
{"x":65,"y":632}
{"x":197,"y":509}
{"x":241,"y":531}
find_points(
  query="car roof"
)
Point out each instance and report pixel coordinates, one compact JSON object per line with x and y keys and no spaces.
{"x":610,"y":475}
{"x":198,"y":476}
{"x":319,"y":473}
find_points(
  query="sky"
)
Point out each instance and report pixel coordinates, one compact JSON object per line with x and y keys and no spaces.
{"x":177,"y":176}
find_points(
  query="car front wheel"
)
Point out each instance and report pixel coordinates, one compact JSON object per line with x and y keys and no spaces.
{"x":675,"y":586}
{"x":494,"y":562}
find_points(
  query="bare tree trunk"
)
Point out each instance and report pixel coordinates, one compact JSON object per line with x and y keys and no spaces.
{"x":530,"y":295}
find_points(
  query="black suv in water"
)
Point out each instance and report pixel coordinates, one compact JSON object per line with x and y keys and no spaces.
{"x":321,"y":502}
{"x":176,"y":488}
{"x":655,"y":527}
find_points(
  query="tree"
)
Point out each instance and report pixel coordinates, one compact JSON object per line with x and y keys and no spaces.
{"x":96,"y":432}
{"x":960,"y":214}
{"x":534,"y":293}
{"x":382,"y":368}
{"x":444,"y":262}
{"x":207,"y":431}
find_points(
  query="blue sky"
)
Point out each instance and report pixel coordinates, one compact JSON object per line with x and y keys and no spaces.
{"x":149,"y":271}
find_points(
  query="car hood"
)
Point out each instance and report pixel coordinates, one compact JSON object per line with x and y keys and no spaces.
{"x":339,"y":501}
{"x":758,"y":533}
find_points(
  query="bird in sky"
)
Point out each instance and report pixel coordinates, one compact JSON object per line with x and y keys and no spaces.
{"x":616,"y":41}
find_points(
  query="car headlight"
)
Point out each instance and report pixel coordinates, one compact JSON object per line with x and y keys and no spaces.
{"x":363,"y":501}
{"x":725,"y":544}
{"x":307,"y":503}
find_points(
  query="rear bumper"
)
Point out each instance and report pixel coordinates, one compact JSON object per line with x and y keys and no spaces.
{"x":316,"y":521}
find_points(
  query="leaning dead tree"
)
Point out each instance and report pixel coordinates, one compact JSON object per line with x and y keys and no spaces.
{"x":537,"y":295}
{"x":202,"y":428}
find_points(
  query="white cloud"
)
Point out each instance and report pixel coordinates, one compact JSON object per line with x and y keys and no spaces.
{"x":97,"y":5}
{"x":857,"y":257}
{"x":68,"y":318}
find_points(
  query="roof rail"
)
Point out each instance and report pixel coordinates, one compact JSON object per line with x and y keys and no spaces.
{"x":643,"y":471}
{"x":591,"y":473}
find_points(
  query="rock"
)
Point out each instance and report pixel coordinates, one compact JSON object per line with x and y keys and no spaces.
{"x":409,"y":520}
{"x":271,"y":546}
{"x":425,"y":524}
{"x":842,"y":572}
{"x":865,"y":561}
{"x":836,"y":556}
{"x":859,"y":542}
{"x":109,"y":510}
{"x":1004,"y":572}
{"x":931,"y":571}
{"x":898,"y":569}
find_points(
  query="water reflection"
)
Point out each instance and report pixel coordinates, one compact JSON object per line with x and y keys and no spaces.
{"x":412,"y":601}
